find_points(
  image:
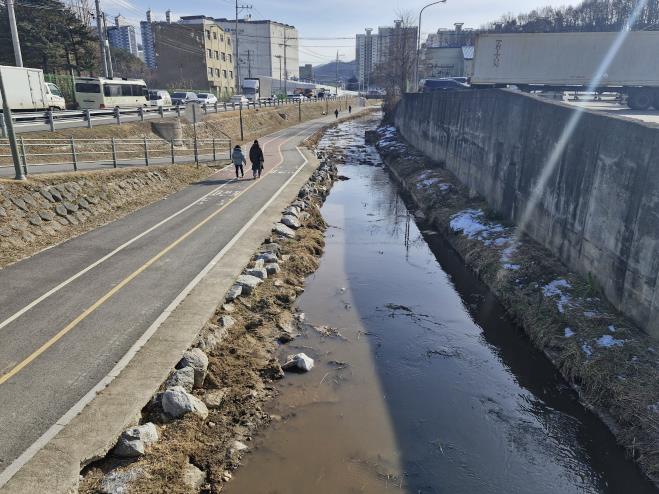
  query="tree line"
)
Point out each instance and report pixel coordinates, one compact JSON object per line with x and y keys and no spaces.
{"x":588,"y":16}
{"x":60,"y":38}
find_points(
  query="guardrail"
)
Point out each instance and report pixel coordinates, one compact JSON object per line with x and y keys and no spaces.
{"x":115,"y":152}
{"x":88,"y":118}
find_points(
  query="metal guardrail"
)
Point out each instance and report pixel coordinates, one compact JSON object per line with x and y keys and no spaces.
{"x":73,"y":152}
{"x":86,"y":118}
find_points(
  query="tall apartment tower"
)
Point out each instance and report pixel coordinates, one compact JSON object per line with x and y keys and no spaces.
{"x":366,"y":56}
{"x":147,"y":41}
{"x":122,"y":35}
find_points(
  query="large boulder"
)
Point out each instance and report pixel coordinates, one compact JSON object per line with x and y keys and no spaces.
{"x":267,"y":257}
{"x":291,"y":221}
{"x":283,"y":230}
{"x":177,"y":402}
{"x":234,"y":292}
{"x":248,"y":282}
{"x":198,"y":360}
{"x":185,"y":378}
{"x":135,"y":440}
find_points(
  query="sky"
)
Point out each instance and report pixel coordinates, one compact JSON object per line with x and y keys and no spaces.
{"x":335,"y":22}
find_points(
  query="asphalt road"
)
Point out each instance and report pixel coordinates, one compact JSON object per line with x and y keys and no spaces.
{"x":70,"y":313}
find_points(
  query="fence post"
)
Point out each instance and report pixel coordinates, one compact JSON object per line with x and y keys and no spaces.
{"x":88,"y":117}
{"x":178,"y":111}
{"x":214,"y":155}
{"x":3,"y":128}
{"x":146,"y":152}
{"x":114,"y":153}
{"x":140,"y":112}
{"x":23,"y":156}
{"x":51,"y":120}
{"x":117,"y":115}
{"x":161,"y":110}
{"x":196,"y":151}
{"x":74,"y":155}
{"x":215,"y":105}
{"x":205,"y":108}
{"x":229,"y":148}
{"x":225,"y":106}
{"x":172,"y":151}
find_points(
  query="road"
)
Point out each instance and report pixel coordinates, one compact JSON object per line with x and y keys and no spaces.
{"x":73,"y":311}
{"x":614,"y":109}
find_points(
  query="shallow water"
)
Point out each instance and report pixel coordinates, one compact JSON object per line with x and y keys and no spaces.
{"x":428,"y":386}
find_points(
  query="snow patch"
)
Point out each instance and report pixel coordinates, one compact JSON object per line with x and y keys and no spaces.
{"x":590,"y":314}
{"x":568,"y":332}
{"x":608,"y":341}
{"x":586,"y":348}
{"x":555,"y":289}
{"x":511,"y":267}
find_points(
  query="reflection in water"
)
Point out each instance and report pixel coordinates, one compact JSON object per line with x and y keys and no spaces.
{"x":428,"y":386}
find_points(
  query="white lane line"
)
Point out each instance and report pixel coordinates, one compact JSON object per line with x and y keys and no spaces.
{"x":27,"y":455}
{"x":68,"y":281}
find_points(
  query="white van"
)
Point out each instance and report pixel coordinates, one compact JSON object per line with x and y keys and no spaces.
{"x":98,"y":93}
{"x":159,"y":97}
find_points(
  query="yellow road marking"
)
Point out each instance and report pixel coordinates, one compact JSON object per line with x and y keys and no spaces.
{"x":60,"y":334}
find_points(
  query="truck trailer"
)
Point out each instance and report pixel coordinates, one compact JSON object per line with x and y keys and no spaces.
{"x":571,"y":62}
{"x":27,"y":90}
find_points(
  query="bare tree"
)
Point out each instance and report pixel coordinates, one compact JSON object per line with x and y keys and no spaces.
{"x":83,"y":10}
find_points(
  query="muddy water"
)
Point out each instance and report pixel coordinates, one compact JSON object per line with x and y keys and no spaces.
{"x":422,"y":384}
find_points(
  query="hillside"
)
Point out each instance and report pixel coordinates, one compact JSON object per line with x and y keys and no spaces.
{"x":327,"y":72}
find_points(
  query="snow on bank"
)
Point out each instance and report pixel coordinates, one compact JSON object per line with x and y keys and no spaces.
{"x":558,"y":288}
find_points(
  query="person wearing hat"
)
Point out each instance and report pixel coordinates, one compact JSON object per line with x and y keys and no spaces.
{"x":238,"y":159}
{"x":256,"y":157}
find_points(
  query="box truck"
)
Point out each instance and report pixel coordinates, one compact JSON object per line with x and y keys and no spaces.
{"x":27,"y":90}
{"x":570,"y":62}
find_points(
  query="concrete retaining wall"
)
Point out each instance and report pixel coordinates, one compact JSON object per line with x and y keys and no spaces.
{"x":600,"y":210}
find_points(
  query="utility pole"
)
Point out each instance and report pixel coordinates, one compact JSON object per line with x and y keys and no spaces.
{"x":285,"y":69}
{"x":14,"y":33}
{"x":101,"y":37}
{"x":279,"y":57}
{"x":9,"y":125}
{"x":336,"y":89}
{"x":239,"y":8}
{"x":108,"y":52}
{"x":249,"y":63}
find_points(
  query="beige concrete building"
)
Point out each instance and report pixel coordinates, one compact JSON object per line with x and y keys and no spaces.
{"x":194,"y":56}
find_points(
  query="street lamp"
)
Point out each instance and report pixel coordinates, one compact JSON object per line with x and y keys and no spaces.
{"x":418,"y":41}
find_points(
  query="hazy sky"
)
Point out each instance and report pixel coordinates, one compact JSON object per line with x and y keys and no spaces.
{"x":335,"y":19}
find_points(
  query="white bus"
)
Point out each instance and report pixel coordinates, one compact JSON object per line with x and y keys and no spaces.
{"x":98,"y":93}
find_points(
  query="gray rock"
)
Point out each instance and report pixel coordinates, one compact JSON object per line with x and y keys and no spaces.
{"x":70,"y":207}
{"x":193,"y":478}
{"x":19,"y":203}
{"x":183,"y":377}
{"x":234,"y":292}
{"x":228,"y":308}
{"x":259,"y":263}
{"x":29,"y":200}
{"x":134,"y":441}
{"x":198,"y":360}
{"x":177,"y":402}
{"x":55,"y":194}
{"x":214,"y":398}
{"x":267,"y":257}
{"x":283,"y":230}
{"x":257,"y":272}
{"x":227,"y":321}
{"x":291,"y":221}
{"x":46,"y":194}
{"x":5,"y":232}
{"x":118,"y":481}
{"x":46,"y":215}
{"x":3,"y":212}
{"x":35,"y":219}
{"x":61,"y":210}
{"x":248,"y":282}
{"x":237,"y":447}
{"x":271,"y":247}
{"x":300,"y":361}
{"x":272,"y":268}
{"x":292,"y":210}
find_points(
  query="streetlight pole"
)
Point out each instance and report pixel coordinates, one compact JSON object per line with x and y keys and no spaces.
{"x":14,"y":33}
{"x":9,"y":125}
{"x":418,"y":41}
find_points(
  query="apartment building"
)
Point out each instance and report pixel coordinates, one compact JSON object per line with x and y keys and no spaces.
{"x":366,"y":56}
{"x":194,"y":55}
{"x":122,"y":35}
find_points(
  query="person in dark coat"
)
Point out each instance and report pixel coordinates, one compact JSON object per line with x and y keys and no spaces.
{"x":336,"y":113}
{"x":350,"y":109}
{"x":256,"y":157}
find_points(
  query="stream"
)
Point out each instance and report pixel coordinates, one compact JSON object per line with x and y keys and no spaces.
{"x":422,"y":383}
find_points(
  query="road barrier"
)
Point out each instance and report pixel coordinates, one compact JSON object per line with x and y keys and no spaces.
{"x":52,"y":120}
{"x":112,"y":152}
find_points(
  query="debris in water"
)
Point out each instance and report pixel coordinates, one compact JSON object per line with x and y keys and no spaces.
{"x":300,"y":361}
{"x":398,"y":307}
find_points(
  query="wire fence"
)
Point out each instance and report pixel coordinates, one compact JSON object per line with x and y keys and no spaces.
{"x":34,"y":153}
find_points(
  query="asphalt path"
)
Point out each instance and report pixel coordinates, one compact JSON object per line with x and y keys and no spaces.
{"x":70,"y":313}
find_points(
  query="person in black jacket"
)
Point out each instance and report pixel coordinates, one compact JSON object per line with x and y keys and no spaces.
{"x":256,"y":157}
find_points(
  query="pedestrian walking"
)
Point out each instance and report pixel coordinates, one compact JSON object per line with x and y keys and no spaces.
{"x":257,"y":159}
{"x":350,"y":109}
{"x":336,"y":113}
{"x":238,"y":159}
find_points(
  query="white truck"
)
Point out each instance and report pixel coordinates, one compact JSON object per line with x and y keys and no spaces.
{"x":27,"y":90}
{"x":571,"y":62}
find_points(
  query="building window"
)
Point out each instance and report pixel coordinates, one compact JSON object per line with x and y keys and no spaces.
{"x":210,"y":72}
{"x":214,"y":35}
{"x":217,"y":55}
{"x":224,"y":74}
{"x":231,"y":74}
{"x":224,"y":57}
{"x":229,"y":41}
{"x":210,"y":53}
{"x":230,"y":57}
{"x":217,"y":72}
{"x":208,"y":34}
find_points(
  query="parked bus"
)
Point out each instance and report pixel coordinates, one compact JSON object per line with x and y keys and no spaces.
{"x":98,"y":92}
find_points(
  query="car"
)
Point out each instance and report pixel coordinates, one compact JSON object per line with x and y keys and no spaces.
{"x":444,"y":84}
{"x":55,"y":99}
{"x":297,"y":97}
{"x":183,"y":97}
{"x":463,"y":80}
{"x":159,"y":97}
{"x":238,"y":99}
{"x":206,"y":98}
